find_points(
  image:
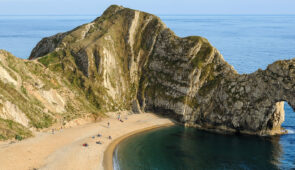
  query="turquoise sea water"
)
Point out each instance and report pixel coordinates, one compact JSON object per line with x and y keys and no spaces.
{"x":246,"y":42}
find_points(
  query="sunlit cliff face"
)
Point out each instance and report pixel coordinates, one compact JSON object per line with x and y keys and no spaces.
{"x":129,"y":60}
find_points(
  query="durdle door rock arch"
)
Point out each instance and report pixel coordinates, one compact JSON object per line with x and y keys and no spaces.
{"x":128,"y":59}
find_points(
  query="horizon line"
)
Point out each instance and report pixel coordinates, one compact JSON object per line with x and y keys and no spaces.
{"x":153,"y":14}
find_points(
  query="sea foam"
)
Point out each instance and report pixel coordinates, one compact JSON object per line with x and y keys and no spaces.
{"x":115,"y":160}
{"x":290,"y":131}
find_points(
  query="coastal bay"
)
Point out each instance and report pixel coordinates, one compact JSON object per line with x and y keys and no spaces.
{"x":64,"y":150}
{"x":92,"y":82}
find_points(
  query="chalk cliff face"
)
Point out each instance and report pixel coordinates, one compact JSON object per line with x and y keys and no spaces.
{"x":127,"y":59}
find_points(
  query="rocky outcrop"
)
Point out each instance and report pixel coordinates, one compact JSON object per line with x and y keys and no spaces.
{"x":127,"y":59}
{"x":47,"y":45}
{"x":251,"y":103}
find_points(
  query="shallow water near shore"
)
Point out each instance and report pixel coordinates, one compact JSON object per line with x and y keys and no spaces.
{"x":179,"y":147}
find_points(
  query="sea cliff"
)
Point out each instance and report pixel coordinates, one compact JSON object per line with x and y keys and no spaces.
{"x":129,"y":60}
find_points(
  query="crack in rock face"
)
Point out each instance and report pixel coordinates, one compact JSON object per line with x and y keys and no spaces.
{"x":130,"y":60}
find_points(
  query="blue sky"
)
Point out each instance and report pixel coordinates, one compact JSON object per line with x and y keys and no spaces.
{"x":160,"y":7}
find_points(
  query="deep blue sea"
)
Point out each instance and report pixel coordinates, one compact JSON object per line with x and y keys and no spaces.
{"x":246,"y":42}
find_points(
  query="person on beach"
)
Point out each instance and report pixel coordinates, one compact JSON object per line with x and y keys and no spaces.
{"x":110,"y":137}
{"x":108,"y":124}
{"x":119,"y":116}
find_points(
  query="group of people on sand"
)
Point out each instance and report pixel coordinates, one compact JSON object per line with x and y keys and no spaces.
{"x":53,"y":130}
{"x":109,"y":137}
{"x":98,"y":135}
{"x":97,"y":142}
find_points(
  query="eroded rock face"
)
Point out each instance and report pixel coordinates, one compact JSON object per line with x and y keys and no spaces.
{"x":127,"y":59}
{"x":47,"y":45}
{"x":253,"y":103}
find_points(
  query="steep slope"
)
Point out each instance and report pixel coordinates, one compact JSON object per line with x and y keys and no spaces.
{"x":106,"y":56}
{"x":32,"y":97}
{"x":127,"y":59}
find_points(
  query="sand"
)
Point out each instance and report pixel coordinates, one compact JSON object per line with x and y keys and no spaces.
{"x":63,"y":150}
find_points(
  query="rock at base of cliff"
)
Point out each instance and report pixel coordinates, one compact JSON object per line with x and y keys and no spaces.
{"x":136,"y":107}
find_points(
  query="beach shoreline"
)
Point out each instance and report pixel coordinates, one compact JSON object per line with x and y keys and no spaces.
{"x":109,"y":152}
{"x":64,"y":149}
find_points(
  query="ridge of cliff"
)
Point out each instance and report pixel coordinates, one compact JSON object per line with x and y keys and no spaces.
{"x":131,"y":60}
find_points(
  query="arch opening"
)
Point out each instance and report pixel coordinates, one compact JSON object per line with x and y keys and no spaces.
{"x":289,"y":122}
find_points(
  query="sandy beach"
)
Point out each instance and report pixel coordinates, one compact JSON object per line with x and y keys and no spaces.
{"x":63,"y":150}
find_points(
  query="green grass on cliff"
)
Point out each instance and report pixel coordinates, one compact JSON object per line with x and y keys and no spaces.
{"x":49,"y":59}
{"x":205,"y":52}
{"x":12,"y":130}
